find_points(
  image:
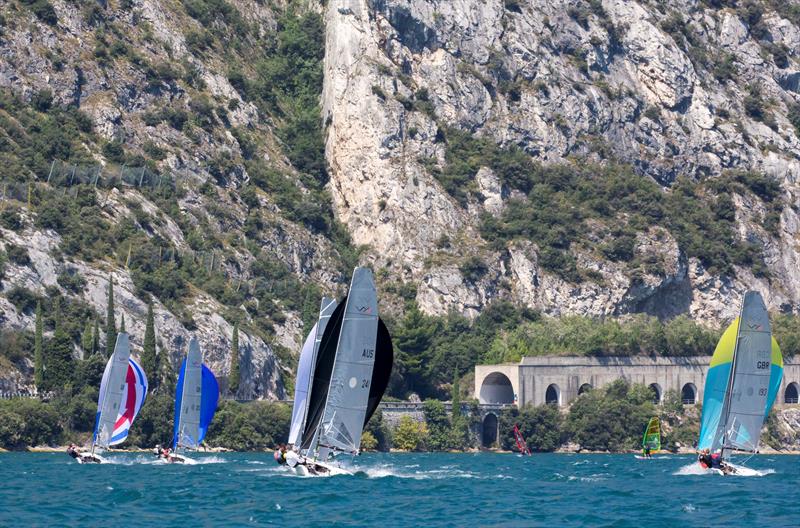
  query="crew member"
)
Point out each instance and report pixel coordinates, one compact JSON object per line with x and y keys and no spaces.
{"x":72,"y":451}
{"x":280,"y":454}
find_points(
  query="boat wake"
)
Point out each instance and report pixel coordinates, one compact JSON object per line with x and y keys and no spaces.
{"x":411,"y":472}
{"x":742,"y":471}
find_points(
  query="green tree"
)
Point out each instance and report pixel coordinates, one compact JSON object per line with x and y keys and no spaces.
{"x":233,"y":378}
{"x":111,"y":325}
{"x":368,"y":442}
{"x":540,"y":426}
{"x":460,"y":436}
{"x":149,"y":356}
{"x":380,"y":431}
{"x":38,"y":350}
{"x":438,"y":425}
{"x":87,"y":339}
{"x":410,"y":435}
{"x":60,"y":366}
{"x":96,"y":337}
{"x":122,"y":325}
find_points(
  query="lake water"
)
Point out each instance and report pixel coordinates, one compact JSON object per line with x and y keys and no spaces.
{"x":483,"y":489}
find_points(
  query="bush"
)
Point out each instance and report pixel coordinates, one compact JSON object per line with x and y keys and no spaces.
{"x":10,"y":219}
{"x":250,"y":426}
{"x":410,"y":435}
{"x":540,"y":426}
{"x":611,"y":418}
{"x":18,"y":255}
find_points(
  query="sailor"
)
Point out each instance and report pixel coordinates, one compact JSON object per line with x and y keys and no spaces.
{"x":646,"y":452}
{"x":72,"y":451}
{"x":704,"y":457}
{"x":716,"y":461}
{"x":157,"y":450}
{"x":280,"y":454}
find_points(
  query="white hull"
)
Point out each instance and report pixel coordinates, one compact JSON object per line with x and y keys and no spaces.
{"x":88,"y":458}
{"x":177,"y":459}
{"x":319,"y":469}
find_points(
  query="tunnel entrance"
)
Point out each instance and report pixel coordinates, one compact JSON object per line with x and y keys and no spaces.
{"x":792,"y":393}
{"x":496,"y":388}
{"x":655,"y":388}
{"x":586,"y":387}
{"x":689,"y":394}
{"x":553,"y":395}
{"x":489,"y":430}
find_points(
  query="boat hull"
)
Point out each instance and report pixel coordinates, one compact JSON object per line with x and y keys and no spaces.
{"x":88,"y":458}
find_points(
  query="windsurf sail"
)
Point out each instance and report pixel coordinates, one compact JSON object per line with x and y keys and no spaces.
{"x":652,"y":435}
{"x":123,"y":390}
{"x":742,"y":381}
{"x":305,"y":370}
{"x":351,"y":372}
{"x":196,"y":397}
{"x":521,"y":444}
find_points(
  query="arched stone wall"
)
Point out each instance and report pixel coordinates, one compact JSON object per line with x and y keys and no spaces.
{"x":586,"y":387}
{"x":658,"y":394}
{"x":496,"y":388}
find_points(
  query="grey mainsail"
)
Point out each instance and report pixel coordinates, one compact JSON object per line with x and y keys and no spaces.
{"x":746,"y":398}
{"x":191,"y":395}
{"x":112,"y":389}
{"x":305,"y":371}
{"x":348,"y":393}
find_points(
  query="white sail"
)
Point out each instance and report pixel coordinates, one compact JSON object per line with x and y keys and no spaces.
{"x":112,"y":389}
{"x":746,"y":399}
{"x":305,"y":371}
{"x":191,"y":394}
{"x":348,"y":393}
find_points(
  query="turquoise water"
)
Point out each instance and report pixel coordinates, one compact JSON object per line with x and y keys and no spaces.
{"x":396,"y":490}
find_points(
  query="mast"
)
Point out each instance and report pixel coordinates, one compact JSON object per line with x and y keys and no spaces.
{"x":726,"y":405}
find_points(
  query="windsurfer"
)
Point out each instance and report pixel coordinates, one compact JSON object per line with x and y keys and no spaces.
{"x":646,"y":452}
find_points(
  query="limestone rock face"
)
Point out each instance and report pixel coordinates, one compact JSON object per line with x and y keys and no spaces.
{"x":649,"y":80}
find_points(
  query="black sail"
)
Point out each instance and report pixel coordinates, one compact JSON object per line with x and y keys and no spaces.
{"x":322,"y":373}
{"x":382,"y":371}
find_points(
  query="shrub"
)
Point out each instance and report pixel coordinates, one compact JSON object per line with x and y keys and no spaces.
{"x":410,"y":435}
{"x":18,"y":255}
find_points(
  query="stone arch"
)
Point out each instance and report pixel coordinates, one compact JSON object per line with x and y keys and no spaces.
{"x":792,"y":393}
{"x":658,"y":394}
{"x":552,"y":396}
{"x":496,"y":388}
{"x":586,"y":387}
{"x":489,"y":429}
{"x":689,"y":394}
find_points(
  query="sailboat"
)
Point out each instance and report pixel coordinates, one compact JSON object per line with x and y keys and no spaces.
{"x":651,"y":440}
{"x":741,"y":385}
{"x":123,"y":390}
{"x":343,"y":381}
{"x":305,"y":368}
{"x":196,"y":397}
{"x":521,"y":444}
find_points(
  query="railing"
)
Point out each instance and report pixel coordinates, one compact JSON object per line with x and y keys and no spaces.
{"x":792,"y":400}
{"x":688,"y":401}
{"x":10,"y":395}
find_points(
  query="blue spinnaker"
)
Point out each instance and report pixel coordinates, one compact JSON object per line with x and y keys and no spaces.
{"x":208,"y":402}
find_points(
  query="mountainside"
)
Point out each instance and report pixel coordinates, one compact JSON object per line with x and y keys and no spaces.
{"x":576,"y":158}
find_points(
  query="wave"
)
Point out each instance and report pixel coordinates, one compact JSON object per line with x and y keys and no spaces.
{"x":695,"y":469}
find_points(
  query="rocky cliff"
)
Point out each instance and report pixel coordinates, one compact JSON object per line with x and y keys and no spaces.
{"x":679,"y":90}
{"x":433,"y":116}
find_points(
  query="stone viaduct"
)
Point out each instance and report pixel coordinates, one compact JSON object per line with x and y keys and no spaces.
{"x":558,"y":380}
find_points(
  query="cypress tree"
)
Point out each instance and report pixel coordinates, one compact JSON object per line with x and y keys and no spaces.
{"x":38,"y":354}
{"x":122,"y":325}
{"x":233,"y":378}
{"x":460,"y":435}
{"x":60,"y":368}
{"x":149,"y":357}
{"x":111,"y":325}
{"x":96,"y":337}
{"x":87,"y":339}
